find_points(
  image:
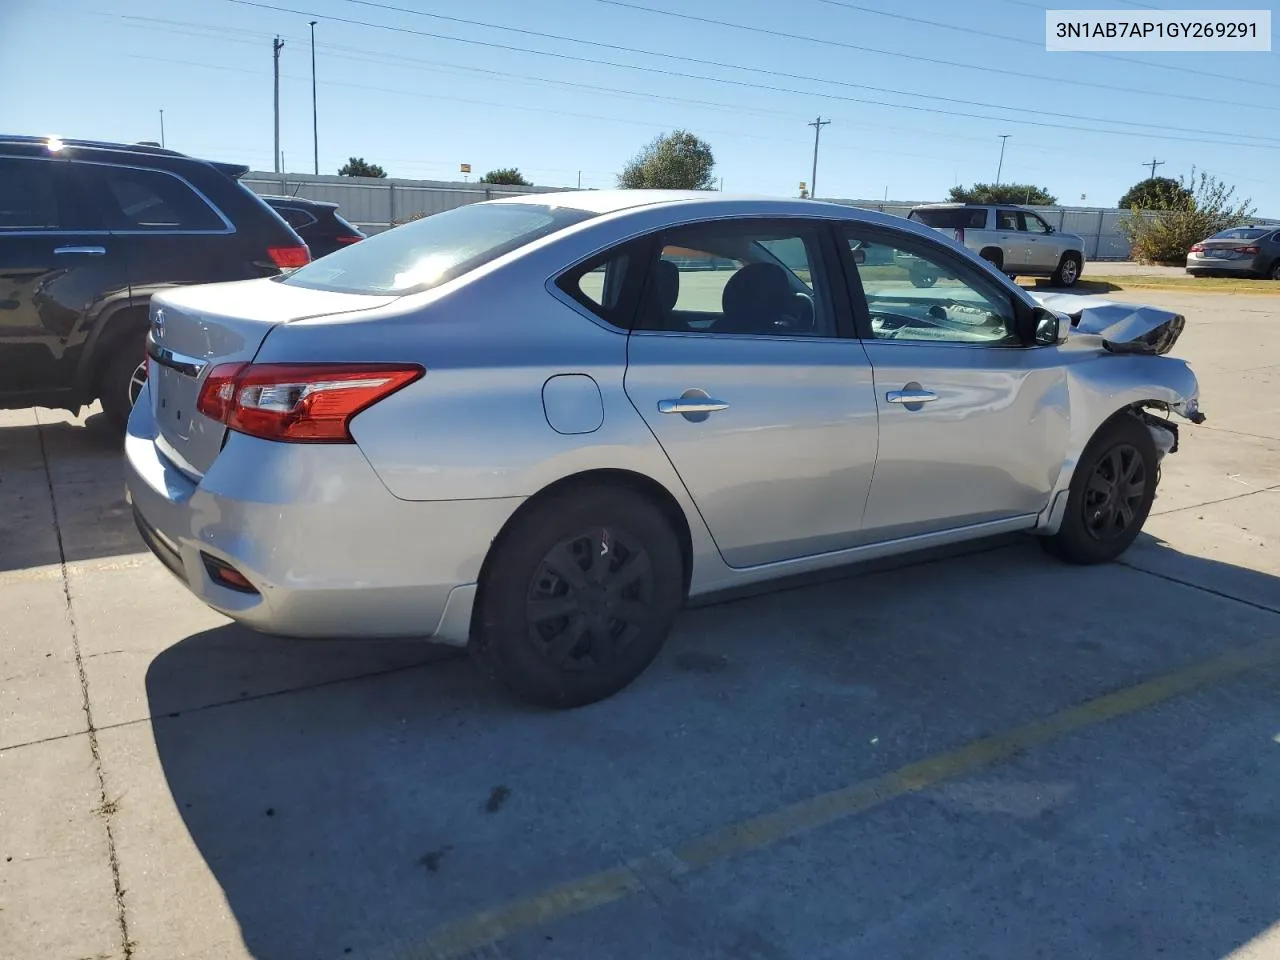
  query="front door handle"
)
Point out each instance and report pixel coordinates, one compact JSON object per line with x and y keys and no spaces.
{"x":686,"y":405}
{"x":87,"y":251}
{"x":910,"y":396}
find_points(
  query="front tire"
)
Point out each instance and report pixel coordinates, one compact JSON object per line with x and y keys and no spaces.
{"x":1110,"y":495}
{"x":579,"y":596}
{"x":1068,"y":271}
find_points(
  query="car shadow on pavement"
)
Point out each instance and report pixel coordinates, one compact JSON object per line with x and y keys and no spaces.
{"x":80,"y":465}
{"x":353,"y":817}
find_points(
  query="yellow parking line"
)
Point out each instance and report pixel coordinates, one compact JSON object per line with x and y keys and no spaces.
{"x":462,"y":936}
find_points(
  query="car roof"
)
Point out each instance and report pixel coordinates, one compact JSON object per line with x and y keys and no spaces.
{"x":962,"y":206}
{"x":617,"y":201}
{"x":106,"y":150}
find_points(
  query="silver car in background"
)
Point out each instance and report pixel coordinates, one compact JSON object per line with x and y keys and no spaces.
{"x":538,"y":425}
{"x":1238,"y":251}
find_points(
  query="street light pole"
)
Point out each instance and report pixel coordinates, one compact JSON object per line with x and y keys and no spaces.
{"x":315,"y":123}
{"x":276,"y":46}
{"x":1000,"y":167}
{"x":162,"y":128}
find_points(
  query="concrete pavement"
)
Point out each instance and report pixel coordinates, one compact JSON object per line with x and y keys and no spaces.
{"x":989,"y":755}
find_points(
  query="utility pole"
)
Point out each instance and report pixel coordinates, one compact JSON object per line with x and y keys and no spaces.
{"x":162,"y":128}
{"x":817,"y":130}
{"x":579,"y":179}
{"x":276,"y":45}
{"x":1000,"y":167}
{"x":1153,"y":164}
{"x":315,"y":123}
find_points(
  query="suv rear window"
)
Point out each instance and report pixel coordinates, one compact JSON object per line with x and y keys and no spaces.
{"x":428,"y":252}
{"x":951,"y":218}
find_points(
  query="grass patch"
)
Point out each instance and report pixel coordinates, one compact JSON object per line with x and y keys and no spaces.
{"x":1183,"y":284}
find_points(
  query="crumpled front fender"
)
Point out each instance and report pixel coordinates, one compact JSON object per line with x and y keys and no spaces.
{"x":1106,"y":385}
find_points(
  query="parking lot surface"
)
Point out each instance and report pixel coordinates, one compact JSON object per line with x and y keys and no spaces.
{"x":981,"y":754}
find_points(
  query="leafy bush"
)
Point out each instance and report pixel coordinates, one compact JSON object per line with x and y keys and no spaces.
{"x":1154,"y":193}
{"x":677,"y":161}
{"x":1198,"y":208}
{"x":509,"y":176}
{"x":1024,"y":193}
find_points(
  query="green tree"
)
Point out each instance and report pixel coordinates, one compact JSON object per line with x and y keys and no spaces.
{"x":1025,"y":193}
{"x":357,"y":167}
{"x":508,"y":176}
{"x":1201,"y":207}
{"x":674,"y":161}
{"x":1154,"y":193}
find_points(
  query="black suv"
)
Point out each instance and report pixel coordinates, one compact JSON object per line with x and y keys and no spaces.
{"x":88,"y":232}
{"x":317,"y":222}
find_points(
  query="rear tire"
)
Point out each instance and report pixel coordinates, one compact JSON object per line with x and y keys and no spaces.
{"x":1275,"y":271}
{"x":1068,"y":271}
{"x":579,"y":596}
{"x":1110,"y":495}
{"x":115,"y":388}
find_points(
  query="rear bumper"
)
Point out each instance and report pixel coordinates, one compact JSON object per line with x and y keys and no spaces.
{"x":329,"y":552}
{"x":1246,"y":267}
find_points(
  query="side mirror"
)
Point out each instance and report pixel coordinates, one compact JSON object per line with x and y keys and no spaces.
{"x":1051,"y":328}
{"x":859,"y":255}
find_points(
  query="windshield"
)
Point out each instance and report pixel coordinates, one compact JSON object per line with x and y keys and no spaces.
{"x":435,"y":249}
{"x":1240,"y":233}
{"x":951,"y":218}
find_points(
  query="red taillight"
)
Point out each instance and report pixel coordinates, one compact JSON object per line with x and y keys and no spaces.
{"x":1245,"y":249}
{"x":289,"y":258}
{"x":1197,"y":248}
{"x":344,"y":241}
{"x":959,"y":234}
{"x":302,"y":403}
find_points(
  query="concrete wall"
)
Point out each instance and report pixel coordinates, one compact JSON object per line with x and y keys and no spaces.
{"x":374,"y":204}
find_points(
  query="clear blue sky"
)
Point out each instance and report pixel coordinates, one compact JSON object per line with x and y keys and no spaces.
{"x":419,"y":105}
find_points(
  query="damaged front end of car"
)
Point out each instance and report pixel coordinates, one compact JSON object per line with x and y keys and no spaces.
{"x":1122,"y":327}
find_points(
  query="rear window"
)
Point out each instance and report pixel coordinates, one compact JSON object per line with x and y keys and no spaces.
{"x":428,"y":252}
{"x":1241,"y":233}
{"x":951,"y":218}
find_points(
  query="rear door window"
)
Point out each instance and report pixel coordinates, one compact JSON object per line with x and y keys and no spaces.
{"x":1009,"y":220}
{"x":38,"y":195}
{"x":137,"y":199}
{"x":426,"y":253}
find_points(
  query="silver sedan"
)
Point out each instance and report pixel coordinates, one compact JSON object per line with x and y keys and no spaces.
{"x":539,"y":425}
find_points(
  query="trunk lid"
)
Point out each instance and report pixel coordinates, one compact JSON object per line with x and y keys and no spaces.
{"x":194,"y":329}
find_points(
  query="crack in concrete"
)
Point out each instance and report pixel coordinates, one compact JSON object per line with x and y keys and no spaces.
{"x":107,"y":807}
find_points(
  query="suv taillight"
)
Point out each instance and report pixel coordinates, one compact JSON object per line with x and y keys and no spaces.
{"x":959,"y":234}
{"x":345,"y":240}
{"x":302,"y":402}
{"x":289,"y":258}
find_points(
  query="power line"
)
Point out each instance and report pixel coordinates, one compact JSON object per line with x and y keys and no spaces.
{"x":1032,"y":43}
{"x":790,"y":76}
{"x":922,"y":59}
{"x":1217,"y":134}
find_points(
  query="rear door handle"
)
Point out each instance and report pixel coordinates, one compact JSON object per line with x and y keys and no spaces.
{"x":910,"y":396}
{"x":692,"y":405}
{"x":87,"y":251}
